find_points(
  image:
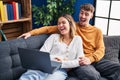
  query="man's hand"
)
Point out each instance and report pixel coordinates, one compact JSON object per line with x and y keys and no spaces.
{"x":84,"y":61}
{"x":25,"y":35}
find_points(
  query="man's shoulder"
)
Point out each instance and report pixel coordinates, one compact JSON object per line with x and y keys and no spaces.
{"x":54,"y":36}
{"x":96,"y":28}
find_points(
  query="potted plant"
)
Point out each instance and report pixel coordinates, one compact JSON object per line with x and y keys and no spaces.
{"x":49,"y":13}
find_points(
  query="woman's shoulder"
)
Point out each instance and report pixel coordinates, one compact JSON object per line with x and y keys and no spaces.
{"x":55,"y":35}
{"x":77,"y":37}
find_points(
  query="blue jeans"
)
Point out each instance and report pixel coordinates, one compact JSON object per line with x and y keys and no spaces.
{"x":60,"y":74}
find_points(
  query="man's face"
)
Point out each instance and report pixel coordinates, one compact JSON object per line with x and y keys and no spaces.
{"x":84,"y":17}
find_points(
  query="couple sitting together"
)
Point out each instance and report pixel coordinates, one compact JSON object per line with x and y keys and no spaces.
{"x":78,"y":45}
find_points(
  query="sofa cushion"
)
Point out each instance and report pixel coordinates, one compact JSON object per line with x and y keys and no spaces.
{"x":112,"y":54}
{"x":112,"y":48}
{"x":35,"y":42}
{"x":9,"y":59}
{"x":10,"y":65}
{"x":5,"y":62}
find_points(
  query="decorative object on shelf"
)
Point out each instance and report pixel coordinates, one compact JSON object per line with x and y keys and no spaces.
{"x":49,"y":13}
{"x":3,"y":36}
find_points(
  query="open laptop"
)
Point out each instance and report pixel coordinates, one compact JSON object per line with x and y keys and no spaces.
{"x":37,"y":60}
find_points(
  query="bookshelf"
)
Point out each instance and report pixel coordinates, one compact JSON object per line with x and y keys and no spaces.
{"x":15,"y":27}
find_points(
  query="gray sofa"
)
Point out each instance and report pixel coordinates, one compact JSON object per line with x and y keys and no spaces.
{"x":10,"y":65}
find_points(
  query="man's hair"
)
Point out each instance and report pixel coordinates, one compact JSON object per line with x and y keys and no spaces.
{"x":87,"y":7}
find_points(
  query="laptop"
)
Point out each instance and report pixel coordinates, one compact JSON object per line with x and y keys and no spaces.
{"x":37,"y":60}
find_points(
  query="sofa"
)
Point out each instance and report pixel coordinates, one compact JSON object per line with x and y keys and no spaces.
{"x":10,"y":64}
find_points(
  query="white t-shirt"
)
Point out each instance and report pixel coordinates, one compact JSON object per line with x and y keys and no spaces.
{"x":70,"y":52}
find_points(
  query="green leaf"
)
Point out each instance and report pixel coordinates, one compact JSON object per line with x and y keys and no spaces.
{"x":48,"y":14}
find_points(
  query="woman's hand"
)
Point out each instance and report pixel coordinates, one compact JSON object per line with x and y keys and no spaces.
{"x":25,"y":35}
{"x":84,"y":61}
{"x":60,"y":59}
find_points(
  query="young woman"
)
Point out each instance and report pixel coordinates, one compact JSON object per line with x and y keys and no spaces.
{"x":65,"y":47}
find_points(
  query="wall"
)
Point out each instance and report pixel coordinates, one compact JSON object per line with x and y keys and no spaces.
{"x":76,"y":7}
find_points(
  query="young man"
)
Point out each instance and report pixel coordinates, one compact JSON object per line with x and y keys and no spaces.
{"x":92,"y":66}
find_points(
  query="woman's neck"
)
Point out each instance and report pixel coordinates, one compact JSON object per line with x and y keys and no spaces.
{"x":67,"y":39}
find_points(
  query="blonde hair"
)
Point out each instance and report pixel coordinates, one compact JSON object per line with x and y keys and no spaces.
{"x":71,"y":23}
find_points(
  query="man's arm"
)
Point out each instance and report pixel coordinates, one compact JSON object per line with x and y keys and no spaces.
{"x":100,"y":48}
{"x":42,"y":30}
{"x":98,"y":53}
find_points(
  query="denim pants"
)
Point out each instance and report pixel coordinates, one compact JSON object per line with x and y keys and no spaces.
{"x":60,"y":74}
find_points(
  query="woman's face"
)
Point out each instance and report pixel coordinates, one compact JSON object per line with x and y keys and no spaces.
{"x":63,"y":26}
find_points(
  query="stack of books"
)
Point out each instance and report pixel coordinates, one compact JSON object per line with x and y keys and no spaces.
{"x":10,"y":11}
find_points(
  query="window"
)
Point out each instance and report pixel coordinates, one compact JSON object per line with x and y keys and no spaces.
{"x":107,"y":16}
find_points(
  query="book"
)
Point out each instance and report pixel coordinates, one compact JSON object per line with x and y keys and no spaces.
{"x":19,"y":10}
{"x":10,"y":11}
{"x":5,"y":9}
{"x":14,"y":10}
{"x":2,"y":12}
